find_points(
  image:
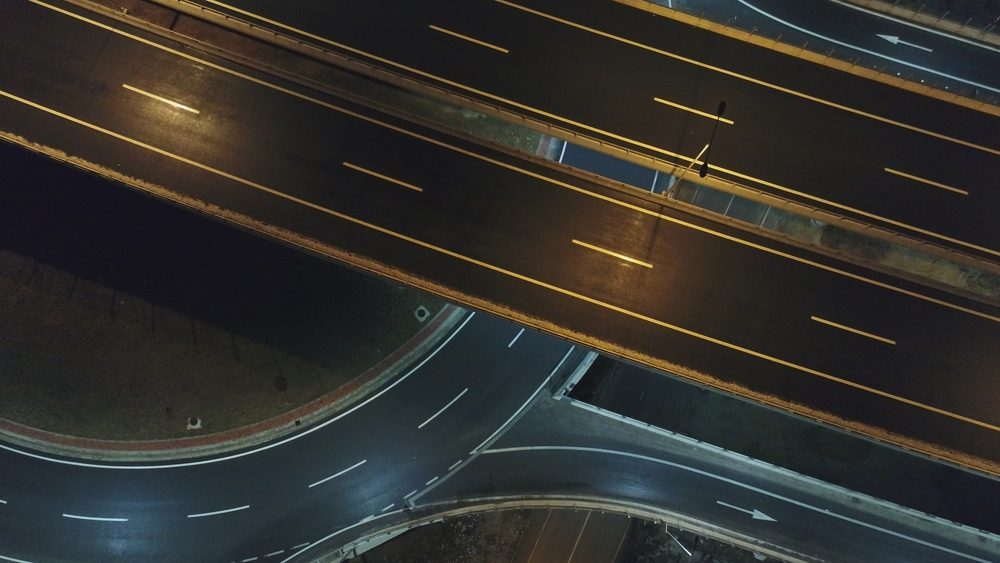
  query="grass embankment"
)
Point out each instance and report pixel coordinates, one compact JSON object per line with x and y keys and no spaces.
{"x":123,"y":317}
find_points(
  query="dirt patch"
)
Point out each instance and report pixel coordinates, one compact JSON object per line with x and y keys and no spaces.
{"x":490,"y":537}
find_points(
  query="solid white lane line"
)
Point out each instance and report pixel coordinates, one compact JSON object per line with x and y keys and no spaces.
{"x":694,"y":111}
{"x":214,"y":513}
{"x":454,"y":465}
{"x":12,"y":560}
{"x":450,"y":403}
{"x":380,"y":176}
{"x":171,"y":103}
{"x":94,"y":518}
{"x":734,"y":483}
{"x":516,"y":336}
{"x":273,"y":553}
{"x":310,"y":430}
{"x":469,"y":39}
{"x":853,"y":330}
{"x":611,"y":253}
{"x":428,"y":483}
{"x":387,"y":507}
{"x":925,"y":181}
{"x":338,"y":474}
{"x":525,"y":404}
{"x":410,"y":494}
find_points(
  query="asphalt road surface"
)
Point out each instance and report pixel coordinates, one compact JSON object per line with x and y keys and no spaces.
{"x":799,"y":130}
{"x":549,"y":454}
{"x":619,"y":270}
{"x":875,"y":39}
{"x":288,"y":492}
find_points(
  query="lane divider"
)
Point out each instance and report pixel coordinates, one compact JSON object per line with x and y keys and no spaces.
{"x":705,"y":114}
{"x":925,"y":181}
{"x":171,"y":103}
{"x":338,"y":474}
{"x":610,"y":253}
{"x":370,"y":172}
{"x":217,"y":512}
{"x":469,"y":39}
{"x":852,"y":330}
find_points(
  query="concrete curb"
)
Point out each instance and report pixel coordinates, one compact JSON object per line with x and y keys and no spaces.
{"x":297,"y":419}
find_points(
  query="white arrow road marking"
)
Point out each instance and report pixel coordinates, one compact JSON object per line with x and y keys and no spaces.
{"x":895,"y":40}
{"x":757,"y":515}
{"x":862,"y":50}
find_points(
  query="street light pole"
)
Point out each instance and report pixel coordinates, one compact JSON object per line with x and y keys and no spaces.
{"x":703,"y":171}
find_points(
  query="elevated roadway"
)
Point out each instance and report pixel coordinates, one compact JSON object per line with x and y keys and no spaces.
{"x":611,"y":268}
{"x":796,"y":129}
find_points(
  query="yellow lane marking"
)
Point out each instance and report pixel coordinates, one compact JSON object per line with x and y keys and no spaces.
{"x":854,"y":330}
{"x":692,"y":110}
{"x":635,"y":142}
{"x":746,"y":78}
{"x":610,"y":253}
{"x":382,"y":176}
{"x":469,"y":39}
{"x":501,"y":270}
{"x":926,"y":181}
{"x":535,"y":175}
{"x":170,"y":103}
{"x":780,"y":89}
